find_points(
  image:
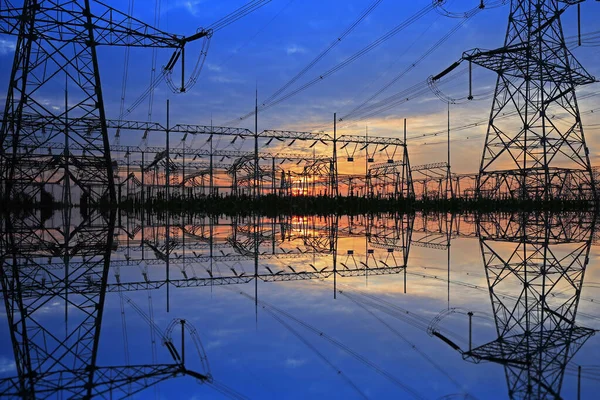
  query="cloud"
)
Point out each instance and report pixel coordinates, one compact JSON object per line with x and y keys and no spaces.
{"x":294,"y":362}
{"x":7,"y":365}
{"x":192,"y":6}
{"x":213,"y":67}
{"x":6,"y":46}
{"x":294,"y":48}
{"x":214,"y":344}
{"x":225,"y":79}
{"x":220,"y":333}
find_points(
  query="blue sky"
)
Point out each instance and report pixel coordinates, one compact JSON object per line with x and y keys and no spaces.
{"x":270,"y":46}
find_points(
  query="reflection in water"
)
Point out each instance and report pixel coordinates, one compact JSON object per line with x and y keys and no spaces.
{"x":540,"y":262}
{"x":59,"y":271}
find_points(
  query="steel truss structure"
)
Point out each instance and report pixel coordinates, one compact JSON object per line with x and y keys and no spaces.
{"x":224,"y":163}
{"x":535,"y":156}
{"x":56,"y":52}
{"x":45,"y":267}
{"x":206,"y":251}
{"x":142,"y":173}
{"x":433,"y":181}
{"x":62,"y":152}
{"x":51,"y":261}
{"x":234,"y":161}
{"x":540,"y":261}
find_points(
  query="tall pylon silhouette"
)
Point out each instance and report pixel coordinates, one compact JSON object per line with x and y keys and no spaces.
{"x":54,"y":129}
{"x":540,"y":152}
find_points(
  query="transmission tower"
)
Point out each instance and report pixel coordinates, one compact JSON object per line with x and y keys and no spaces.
{"x":535,"y":266}
{"x":54,"y":85}
{"x":538,"y":154}
{"x":541,"y":152}
{"x":51,"y":357}
{"x":45,"y":268}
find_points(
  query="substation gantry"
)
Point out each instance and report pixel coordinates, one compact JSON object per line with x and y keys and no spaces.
{"x":272,"y":169}
{"x":231,"y":168}
{"x":206,"y":251}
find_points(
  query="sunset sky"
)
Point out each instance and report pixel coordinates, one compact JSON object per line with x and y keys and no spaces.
{"x":269,"y":47}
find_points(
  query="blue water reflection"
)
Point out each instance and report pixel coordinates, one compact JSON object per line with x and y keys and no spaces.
{"x":383,"y":306}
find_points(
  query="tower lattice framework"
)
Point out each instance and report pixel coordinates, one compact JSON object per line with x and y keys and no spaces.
{"x":535,"y":266}
{"x":54,"y":129}
{"x":54,"y":283}
{"x":535,"y":146}
{"x":40,"y":264}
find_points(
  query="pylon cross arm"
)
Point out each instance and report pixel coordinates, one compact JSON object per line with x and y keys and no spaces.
{"x":124,"y":380}
{"x":110,"y":26}
{"x":515,"y":59}
{"x":571,"y":2}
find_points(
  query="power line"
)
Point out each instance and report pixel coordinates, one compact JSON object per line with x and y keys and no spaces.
{"x":325,"y":51}
{"x":164,"y":75}
{"x":382,"y":39}
{"x":356,"y":110}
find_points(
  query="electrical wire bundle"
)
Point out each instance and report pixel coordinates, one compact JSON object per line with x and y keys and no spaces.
{"x":280,"y":95}
{"x":165,"y":74}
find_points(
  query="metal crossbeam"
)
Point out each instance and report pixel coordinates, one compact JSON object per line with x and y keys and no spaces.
{"x":542,"y":265}
{"x":537,"y":77}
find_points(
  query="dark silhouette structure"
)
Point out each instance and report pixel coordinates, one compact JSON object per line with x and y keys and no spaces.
{"x":56,"y":53}
{"x":535,"y":155}
{"x":535,"y":266}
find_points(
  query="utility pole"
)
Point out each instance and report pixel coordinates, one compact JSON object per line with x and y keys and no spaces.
{"x":449,"y":188}
{"x":143,"y":198}
{"x":470,"y":314}
{"x":168,"y":215}
{"x":183,"y":191}
{"x":579,"y":382}
{"x":210,"y":169}
{"x":182,"y":342}
{"x":367,"y":179}
{"x":67,"y":182}
{"x":334,"y":184}
{"x":256,"y":169}
{"x":168,"y":158}
{"x":273,"y":176}
{"x":407,"y":184}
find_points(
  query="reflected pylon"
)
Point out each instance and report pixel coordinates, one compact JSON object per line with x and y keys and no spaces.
{"x":54,"y":283}
{"x":53,"y":353}
{"x":535,"y":266}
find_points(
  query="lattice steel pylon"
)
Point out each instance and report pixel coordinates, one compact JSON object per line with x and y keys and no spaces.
{"x":541,"y":153}
{"x":50,"y":356}
{"x":47,"y":273}
{"x":54,"y":85}
{"x":535,"y":267}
